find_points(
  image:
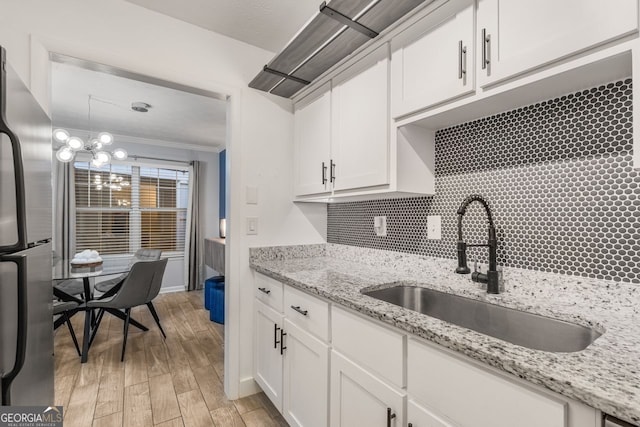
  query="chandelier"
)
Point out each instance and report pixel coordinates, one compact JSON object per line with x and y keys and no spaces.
{"x":100,"y":156}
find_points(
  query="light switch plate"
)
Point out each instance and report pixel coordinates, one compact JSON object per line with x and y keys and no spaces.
{"x":252,"y":225}
{"x":434,"y":227}
{"x":252,"y":195}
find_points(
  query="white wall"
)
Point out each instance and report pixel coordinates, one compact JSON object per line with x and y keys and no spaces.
{"x":123,"y":35}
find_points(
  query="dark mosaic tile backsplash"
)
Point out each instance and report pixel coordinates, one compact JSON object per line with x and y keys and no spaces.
{"x":559,"y":178}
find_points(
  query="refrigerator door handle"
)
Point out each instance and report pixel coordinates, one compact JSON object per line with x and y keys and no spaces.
{"x":21,"y":219}
{"x":21,"y":342}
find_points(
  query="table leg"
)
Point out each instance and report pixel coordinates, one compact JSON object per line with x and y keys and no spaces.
{"x":87,"y":333}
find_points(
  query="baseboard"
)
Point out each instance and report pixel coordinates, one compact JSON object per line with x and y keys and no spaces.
{"x":170,"y":289}
{"x":248,"y":387}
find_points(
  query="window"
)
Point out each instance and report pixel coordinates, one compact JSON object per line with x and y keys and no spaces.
{"x":121,"y":208}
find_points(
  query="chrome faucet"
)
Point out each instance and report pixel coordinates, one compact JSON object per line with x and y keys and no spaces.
{"x":492,"y":278}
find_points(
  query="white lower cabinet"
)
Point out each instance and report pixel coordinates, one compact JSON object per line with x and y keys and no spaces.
{"x":306,"y":378}
{"x":471,"y":395}
{"x":356,"y":371}
{"x":268,"y":360}
{"x":360,"y":399}
{"x":291,"y":365}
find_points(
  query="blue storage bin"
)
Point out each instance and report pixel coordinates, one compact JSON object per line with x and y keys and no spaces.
{"x":209,"y":284}
{"x":216,"y":304}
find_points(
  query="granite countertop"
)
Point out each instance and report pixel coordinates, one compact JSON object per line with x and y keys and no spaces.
{"x":606,"y":375}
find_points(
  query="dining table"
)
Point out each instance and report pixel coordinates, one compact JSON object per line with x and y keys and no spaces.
{"x":63,"y":270}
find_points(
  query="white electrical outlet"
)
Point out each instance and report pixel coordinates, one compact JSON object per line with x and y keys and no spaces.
{"x":434,"y":227}
{"x":380,"y":225}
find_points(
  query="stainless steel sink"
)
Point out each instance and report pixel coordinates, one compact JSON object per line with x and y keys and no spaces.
{"x":517,"y":327}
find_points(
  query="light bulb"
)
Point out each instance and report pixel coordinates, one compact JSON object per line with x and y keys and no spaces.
{"x":75,"y":143}
{"x":120,"y":154}
{"x":105,"y":137}
{"x":102,"y":156}
{"x":64,"y":154}
{"x":96,"y":162}
{"x":61,"y":135}
{"x":96,"y":144}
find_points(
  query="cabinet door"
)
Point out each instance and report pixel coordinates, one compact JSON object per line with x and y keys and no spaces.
{"x":360,"y":120}
{"x":435,"y":66}
{"x":524,"y":34}
{"x":268,"y":360}
{"x":419,"y":416}
{"x":306,"y":379}
{"x":360,"y":399}
{"x":312,"y":144}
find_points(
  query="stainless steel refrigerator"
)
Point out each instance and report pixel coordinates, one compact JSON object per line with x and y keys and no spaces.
{"x":26,"y":324}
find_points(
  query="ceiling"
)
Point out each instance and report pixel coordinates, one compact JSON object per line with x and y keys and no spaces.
{"x":268,"y":24}
{"x":176,"y":118}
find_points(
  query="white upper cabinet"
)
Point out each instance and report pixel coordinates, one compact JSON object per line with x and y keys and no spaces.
{"x":360,"y":124}
{"x":432,"y":61}
{"x":520,"y":35}
{"x":312,"y":146}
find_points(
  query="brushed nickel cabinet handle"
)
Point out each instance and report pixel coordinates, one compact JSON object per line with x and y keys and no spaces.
{"x":462,"y":60}
{"x":486,"y":46}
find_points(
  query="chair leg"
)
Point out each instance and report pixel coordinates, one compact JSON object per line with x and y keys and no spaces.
{"x":126,"y":332}
{"x":72,"y":332}
{"x":156,"y":318}
{"x":96,"y":326}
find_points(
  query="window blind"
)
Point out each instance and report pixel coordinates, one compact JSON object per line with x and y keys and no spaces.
{"x":122,"y":208}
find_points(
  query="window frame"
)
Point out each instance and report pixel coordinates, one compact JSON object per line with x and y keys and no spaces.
{"x":135,"y":235}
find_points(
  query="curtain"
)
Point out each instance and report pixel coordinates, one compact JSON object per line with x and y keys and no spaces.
{"x":64,"y":211}
{"x":194,"y":263}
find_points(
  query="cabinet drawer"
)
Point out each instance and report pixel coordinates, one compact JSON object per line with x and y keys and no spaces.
{"x":369,"y":343}
{"x":447,"y":383}
{"x":269,"y":291}
{"x":309,"y":313}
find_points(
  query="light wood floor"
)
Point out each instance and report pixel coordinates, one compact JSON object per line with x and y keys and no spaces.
{"x":177,"y":382}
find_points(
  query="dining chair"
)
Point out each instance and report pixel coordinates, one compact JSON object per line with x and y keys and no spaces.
{"x":71,"y":286}
{"x":140,"y":287}
{"x":62,"y":308}
{"x":108,"y":287}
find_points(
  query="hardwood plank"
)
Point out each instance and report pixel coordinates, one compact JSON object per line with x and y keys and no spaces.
{"x":248,"y":404}
{"x":258,"y":418}
{"x":280,"y":421}
{"x":113,"y":420}
{"x":227,"y":416}
{"x":135,"y":369}
{"x":157,"y":363}
{"x":176,"y":422}
{"x":268,"y":406}
{"x":137,"y":406}
{"x":211,"y":387}
{"x":164,"y":403}
{"x":194,"y":409}
{"x":110,"y":394}
{"x":81,"y":406}
{"x":153,"y":338}
{"x":90,"y":372}
{"x":184,"y":380}
{"x":178,"y":357}
{"x":63,"y":388}
{"x":196,"y":356}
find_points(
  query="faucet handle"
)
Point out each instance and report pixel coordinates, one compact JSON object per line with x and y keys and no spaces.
{"x":475,"y":266}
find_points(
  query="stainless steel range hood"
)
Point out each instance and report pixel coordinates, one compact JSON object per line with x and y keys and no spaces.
{"x":339,"y":28}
